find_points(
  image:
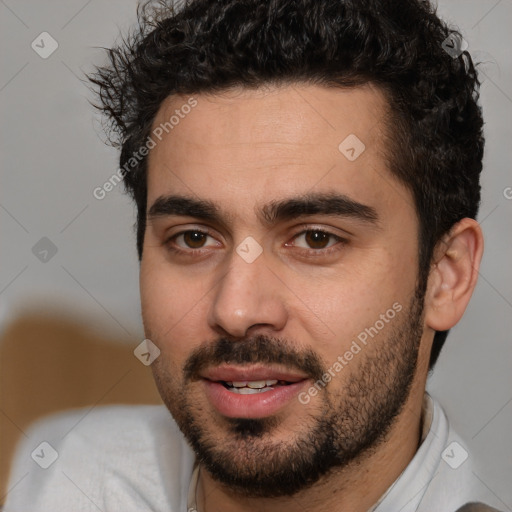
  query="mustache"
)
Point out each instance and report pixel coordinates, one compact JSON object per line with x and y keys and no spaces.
{"x":259,"y":349}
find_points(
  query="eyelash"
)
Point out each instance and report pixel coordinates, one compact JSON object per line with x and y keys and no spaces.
{"x":340,"y":243}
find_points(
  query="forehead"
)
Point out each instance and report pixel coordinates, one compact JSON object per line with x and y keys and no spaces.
{"x":253,"y":145}
{"x":292,"y":114}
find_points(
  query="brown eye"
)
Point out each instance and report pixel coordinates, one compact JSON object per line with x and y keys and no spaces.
{"x":194,"y":239}
{"x":317,"y":242}
{"x":192,"y":243}
{"x":317,"y":239}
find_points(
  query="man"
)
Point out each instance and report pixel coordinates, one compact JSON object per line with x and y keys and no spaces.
{"x":306,"y":175}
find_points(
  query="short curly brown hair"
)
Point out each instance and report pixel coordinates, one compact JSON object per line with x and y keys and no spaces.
{"x":435,"y":121}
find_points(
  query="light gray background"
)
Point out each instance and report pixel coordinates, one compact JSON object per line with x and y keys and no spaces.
{"x":53,"y":157}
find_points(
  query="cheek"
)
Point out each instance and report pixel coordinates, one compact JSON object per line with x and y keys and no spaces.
{"x":173,"y":308}
{"x":335,"y":310}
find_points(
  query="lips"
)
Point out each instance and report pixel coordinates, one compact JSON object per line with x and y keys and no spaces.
{"x":251,"y":391}
{"x":253,"y":373}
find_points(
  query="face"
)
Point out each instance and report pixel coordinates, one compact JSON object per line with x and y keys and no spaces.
{"x":278,"y":280}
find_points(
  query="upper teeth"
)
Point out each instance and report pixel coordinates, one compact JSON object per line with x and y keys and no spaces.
{"x":254,"y":384}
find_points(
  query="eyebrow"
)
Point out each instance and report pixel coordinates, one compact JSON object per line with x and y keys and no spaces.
{"x":271,"y":213}
{"x":318,"y":204}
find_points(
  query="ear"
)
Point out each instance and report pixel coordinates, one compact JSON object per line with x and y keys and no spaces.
{"x":453,"y":275}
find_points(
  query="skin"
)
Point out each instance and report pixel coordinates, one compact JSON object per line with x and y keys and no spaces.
{"x":240,"y":150}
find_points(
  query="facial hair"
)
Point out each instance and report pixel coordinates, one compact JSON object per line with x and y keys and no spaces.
{"x":348,"y":423}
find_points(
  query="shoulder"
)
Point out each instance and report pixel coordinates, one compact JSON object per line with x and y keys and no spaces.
{"x":131,"y":457}
{"x":102,"y":419}
{"x":114,"y":434}
{"x":441,"y":476}
{"x":454,"y":482}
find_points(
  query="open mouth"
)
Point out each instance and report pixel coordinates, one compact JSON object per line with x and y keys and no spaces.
{"x":253,"y":387}
{"x":255,"y":392}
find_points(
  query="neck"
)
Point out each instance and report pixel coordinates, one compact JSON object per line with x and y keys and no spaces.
{"x":356,"y":487}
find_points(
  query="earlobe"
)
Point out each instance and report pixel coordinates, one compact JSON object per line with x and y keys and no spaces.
{"x":454,"y":274}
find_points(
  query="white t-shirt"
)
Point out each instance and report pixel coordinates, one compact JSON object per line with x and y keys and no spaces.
{"x":134,"y":459}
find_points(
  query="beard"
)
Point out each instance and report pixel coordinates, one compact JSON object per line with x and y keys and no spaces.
{"x":261,"y":458}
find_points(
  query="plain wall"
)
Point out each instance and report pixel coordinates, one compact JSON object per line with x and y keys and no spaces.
{"x":53,"y":157}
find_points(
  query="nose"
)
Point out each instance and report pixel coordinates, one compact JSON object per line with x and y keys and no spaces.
{"x":247,"y":298}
